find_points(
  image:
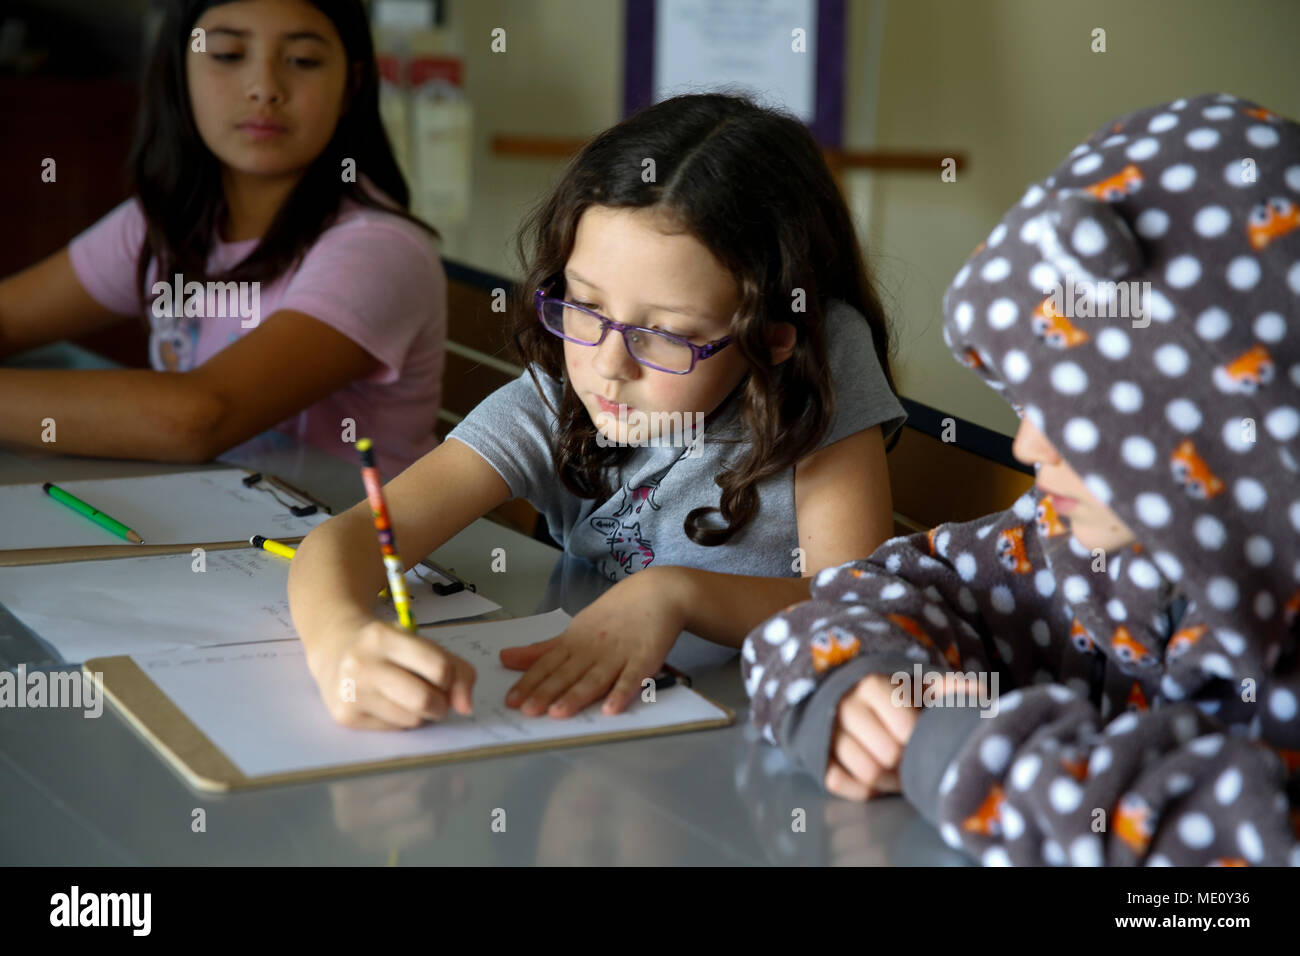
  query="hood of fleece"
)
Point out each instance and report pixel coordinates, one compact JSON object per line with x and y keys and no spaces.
{"x":1180,"y":407}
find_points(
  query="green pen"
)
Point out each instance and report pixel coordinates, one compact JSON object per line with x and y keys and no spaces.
{"x":91,"y":512}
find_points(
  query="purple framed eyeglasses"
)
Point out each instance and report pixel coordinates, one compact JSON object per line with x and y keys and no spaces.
{"x":661,"y":351}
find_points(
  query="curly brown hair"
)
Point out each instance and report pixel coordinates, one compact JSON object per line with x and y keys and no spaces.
{"x":751,"y":185}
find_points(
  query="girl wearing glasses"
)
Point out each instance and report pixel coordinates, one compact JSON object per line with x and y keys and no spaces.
{"x":703,"y":418}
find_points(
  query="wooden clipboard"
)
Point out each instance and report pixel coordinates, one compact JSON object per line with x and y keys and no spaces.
{"x":204,"y":767}
{"x":98,"y":552}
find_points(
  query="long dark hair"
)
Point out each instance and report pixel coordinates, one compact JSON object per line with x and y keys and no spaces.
{"x":751,"y":185}
{"x":177,"y":178}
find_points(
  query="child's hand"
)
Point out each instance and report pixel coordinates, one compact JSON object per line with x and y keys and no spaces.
{"x":618,"y":640}
{"x":868,"y":740}
{"x":375,"y":675}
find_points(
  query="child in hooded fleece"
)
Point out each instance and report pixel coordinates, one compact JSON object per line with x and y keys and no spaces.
{"x":1139,"y":605}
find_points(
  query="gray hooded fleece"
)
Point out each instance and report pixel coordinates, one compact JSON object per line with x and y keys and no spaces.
{"x":1142,"y":307}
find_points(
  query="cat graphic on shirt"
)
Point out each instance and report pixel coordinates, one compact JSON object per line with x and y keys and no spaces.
{"x":627,"y":547}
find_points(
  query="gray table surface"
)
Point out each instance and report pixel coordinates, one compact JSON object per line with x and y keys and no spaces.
{"x":77,"y":791}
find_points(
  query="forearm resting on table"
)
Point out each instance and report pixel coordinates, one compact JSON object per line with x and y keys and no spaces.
{"x":111,"y":413}
{"x":723,"y":608}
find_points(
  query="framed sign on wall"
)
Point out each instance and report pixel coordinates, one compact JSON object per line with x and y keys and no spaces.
{"x":787,"y":53}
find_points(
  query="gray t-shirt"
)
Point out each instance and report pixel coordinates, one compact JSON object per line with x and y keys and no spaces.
{"x":642,"y":523}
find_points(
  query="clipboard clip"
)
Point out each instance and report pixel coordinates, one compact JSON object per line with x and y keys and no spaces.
{"x":269,"y":484}
{"x":455,"y":586}
{"x":669,"y":675}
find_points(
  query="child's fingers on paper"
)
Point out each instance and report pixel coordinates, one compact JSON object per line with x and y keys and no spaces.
{"x":522,"y":657}
{"x":542,"y":668}
{"x":842,"y":784}
{"x":422,"y":657}
{"x":625,"y":688}
{"x":557,"y":682}
{"x":462,"y":686}
{"x":588,"y":687}
{"x":409,"y":691}
{"x":380,"y":713}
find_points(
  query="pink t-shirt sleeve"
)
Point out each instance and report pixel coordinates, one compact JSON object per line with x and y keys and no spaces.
{"x":104,"y":258}
{"x":377,"y":282}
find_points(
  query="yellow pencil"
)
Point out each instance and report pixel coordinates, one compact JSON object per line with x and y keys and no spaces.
{"x":275,"y":547}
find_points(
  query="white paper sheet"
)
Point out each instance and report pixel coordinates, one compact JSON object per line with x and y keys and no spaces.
{"x":189,"y":507}
{"x":260,"y":706}
{"x":136,"y":605}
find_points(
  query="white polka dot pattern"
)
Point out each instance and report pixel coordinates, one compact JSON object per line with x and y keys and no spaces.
{"x":1179,"y":408}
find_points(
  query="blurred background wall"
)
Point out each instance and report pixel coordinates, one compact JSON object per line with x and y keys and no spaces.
{"x":1013,"y":84}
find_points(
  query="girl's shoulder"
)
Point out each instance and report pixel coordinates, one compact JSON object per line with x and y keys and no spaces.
{"x":356,"y":219}
{"x":862,"y":393}
{"x":850,"y":346}
{"x":845,"y":324}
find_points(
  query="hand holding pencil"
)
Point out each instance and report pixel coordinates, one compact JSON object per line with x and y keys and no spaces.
{"x":373,"y":674}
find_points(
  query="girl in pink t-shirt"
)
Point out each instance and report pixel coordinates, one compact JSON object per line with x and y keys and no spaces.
{"x":268,"y":245}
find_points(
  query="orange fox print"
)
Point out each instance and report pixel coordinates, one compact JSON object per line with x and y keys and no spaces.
{"x":832,"y":648}
{"x":910,"y":625}
{"x":1049,"y":523}
{"x":929,"y":537}
{"x":987,"y":818}
{"x":1074,"y":764}
{"x":1261,"y":114}
{"x":1011,"y":551}
{"x":1127,"y":649}
{"x":1133,"y":822}
{"x":1291,"y":610}
{"x":1272,"y":220}
{"x":1183,"y":641}
{"x":1229,"y":861}
{"x":1114,"y":188}
{"x":1290,"y":760}
{"x":1190,"y":470}
{"x":1054,"y":329}
{"x":971,"y":359}
{"x":1136,"y":699}
{"x":1080,"y":638}
{"x":1247,"y":372}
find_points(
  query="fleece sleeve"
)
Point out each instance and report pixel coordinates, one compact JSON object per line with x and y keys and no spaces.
{"x":1042,"y":783}
{"x":962,"y":597}
{"x":1038,"y":777}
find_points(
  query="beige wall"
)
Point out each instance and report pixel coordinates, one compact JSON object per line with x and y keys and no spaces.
{"x":1012,"y":83}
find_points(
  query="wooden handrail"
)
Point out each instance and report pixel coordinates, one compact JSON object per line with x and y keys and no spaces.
{"x":838,"y":159}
